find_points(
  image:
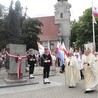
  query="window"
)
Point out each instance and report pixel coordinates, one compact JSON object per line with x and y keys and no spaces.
{"x":61,"y":15}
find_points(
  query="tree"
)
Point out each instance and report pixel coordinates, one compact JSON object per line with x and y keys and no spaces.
{"x":83,"y":29}
{"x":74,"y":31}
{"x":16,"y":29}
{"x":2,"y":23}
{"x":30,"y":31}
{"x":2,"y":10}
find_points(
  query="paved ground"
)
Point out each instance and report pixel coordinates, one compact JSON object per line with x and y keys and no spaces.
{"x":57,"y":88}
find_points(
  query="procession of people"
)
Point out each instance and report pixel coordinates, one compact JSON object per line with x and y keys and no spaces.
{"x":77,"y":66}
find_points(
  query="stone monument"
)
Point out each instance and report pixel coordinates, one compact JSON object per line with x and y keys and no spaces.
{"x":14,"y":25}
{"x":15,"y":45}
{"x":15,"y":49}
{"x":62,"y":18}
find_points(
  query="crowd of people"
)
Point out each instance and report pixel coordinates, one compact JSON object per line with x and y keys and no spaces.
{"x":82,"y":66}
{"x":76,"y":66}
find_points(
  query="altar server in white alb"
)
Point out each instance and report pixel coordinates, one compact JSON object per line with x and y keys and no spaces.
{"x":80,"y":63}
{"x":90,"y":72}
{"x":72,"y":73}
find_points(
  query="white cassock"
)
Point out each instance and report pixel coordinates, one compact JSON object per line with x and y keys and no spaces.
{"x":72,"y":73}
{"x":90,"y":72}
{"x":80,"y":62}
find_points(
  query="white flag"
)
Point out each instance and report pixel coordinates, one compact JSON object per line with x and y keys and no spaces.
{"x":40,"y":48}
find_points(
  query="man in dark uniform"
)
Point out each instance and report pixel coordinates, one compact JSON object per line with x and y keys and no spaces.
{"x":31,"y":61}
{"x":47,"y":62}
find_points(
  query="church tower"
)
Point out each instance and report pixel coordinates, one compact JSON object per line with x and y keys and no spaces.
{"x":62,"y":18}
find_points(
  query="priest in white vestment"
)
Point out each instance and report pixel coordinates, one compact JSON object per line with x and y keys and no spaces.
{"x":72,"y":73}
{"x":90,"y":72}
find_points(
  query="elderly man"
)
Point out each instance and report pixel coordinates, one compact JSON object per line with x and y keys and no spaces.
{"x":90,"y":72}
{"x":72,"y":73}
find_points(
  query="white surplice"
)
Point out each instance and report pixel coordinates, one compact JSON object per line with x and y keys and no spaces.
{"x":90,"y":72}
{"x":72,"y":73}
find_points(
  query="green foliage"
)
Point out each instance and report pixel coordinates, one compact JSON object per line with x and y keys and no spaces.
{"x":74,"y":31}
{"x":30,"y":31}
{"x":3,"y":36}
{"x":82,"y":32}
{"x":15,"y":29}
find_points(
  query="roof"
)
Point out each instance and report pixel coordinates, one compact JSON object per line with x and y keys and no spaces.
{"x":49,"y":30}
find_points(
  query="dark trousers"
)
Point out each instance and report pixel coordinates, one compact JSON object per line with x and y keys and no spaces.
{"x":46,"y":71}
{"x":81,"y":73}
{"x":62,"y":68}
{"x":31,"y":69}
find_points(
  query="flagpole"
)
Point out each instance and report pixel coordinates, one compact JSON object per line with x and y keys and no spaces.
{"x":93,"y":29}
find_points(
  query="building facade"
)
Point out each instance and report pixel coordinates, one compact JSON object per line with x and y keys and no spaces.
{"x":50,"y":30}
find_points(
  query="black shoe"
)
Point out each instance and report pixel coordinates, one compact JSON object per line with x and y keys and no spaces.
{"x":45,"y":82}
{"x":31,"y":77}
{"x":48,"y":82}
{"x":89,"y":91}
{"x":71,"y":86}
{"x":61,"y":71}
{"x":82,"y":77}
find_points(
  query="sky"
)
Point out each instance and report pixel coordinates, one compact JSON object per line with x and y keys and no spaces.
{"x":41,"y":8}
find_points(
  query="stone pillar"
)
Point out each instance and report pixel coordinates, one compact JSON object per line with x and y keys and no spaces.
{"x":15,"y":49}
